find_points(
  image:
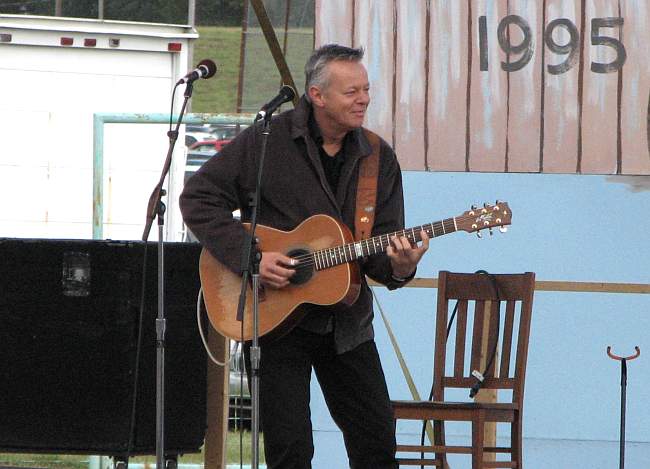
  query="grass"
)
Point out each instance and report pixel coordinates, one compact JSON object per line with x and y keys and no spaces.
{"x":50,"y":461}
{"x":261,"y":77}
{"x":219,"y":94}
{"x":233,"y":447}
{"x":66,"y":461}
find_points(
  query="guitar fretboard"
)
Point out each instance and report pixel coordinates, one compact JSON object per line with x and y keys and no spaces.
{"x":330,"y":257}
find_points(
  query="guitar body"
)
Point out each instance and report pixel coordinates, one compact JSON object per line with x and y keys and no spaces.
{"x":221,"y":287}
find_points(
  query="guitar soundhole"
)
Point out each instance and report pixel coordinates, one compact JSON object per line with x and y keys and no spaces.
{"x":305,"y":267}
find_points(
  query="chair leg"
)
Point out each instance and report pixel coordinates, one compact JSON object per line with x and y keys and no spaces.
{"x":478,"y":435}
{"x":516,"y":441}
{"x":439,"y":440}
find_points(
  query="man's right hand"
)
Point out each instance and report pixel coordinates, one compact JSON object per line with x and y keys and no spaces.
{"x":276,"y":269}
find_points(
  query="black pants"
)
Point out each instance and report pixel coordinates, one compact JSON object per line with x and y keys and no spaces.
{"x":354,"y":387}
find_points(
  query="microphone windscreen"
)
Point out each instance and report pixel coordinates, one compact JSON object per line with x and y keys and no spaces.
{"x":210,"y":66}
{"x":288,"y":92}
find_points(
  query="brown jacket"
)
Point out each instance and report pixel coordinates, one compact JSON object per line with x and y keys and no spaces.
{"x":294,"y":187}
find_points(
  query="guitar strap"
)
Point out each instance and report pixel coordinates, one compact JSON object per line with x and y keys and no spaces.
{"x":367,"y":189}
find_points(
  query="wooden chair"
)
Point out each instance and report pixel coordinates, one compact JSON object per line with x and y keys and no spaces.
{"x":500,"y":327}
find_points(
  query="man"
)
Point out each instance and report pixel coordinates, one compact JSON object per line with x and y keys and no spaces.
{"x":311,"y":167}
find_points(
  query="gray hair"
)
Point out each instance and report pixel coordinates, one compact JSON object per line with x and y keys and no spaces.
{"x":315,"y":71}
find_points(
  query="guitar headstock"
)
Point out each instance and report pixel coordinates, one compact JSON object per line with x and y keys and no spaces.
{"x":486,"y":217}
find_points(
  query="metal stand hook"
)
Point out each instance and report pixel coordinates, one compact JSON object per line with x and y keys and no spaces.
{"x":616,"y":357}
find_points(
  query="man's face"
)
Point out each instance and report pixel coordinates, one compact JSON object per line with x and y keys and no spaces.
{"x":345,"y":98}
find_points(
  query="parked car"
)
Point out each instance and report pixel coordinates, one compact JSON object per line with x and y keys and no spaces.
{"x":211,"y":137}
{"x":198,"y":128}
{"x":226,"y":131}
{"x":196,"y":158}
{"x":239,"y":407}
{"x":192,"y":137}
{"x":210,"y":144}
{"x":197,"y":133}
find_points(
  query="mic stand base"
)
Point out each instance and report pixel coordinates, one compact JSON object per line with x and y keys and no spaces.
{"x":161,"y":323}
{"x":255,"y":378}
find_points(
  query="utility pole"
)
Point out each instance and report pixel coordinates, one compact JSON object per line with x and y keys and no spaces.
{"x":58,"y":7}
{"x":191,"y":12}
{"x":100,"y":9}
{"x":191,"y":20}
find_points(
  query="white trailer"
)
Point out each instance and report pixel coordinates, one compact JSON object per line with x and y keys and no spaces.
{"x":55,"y":74}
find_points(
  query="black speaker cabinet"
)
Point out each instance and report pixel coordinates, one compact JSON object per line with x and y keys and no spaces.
{"x":69,"y":326}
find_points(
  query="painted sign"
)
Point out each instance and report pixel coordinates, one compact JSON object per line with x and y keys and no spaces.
{"x":553,"y":86}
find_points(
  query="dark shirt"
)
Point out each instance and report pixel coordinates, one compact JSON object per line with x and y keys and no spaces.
{"x":332,"y":164}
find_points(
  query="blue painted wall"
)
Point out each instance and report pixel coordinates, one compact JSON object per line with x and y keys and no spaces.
{"x":565,"y":227}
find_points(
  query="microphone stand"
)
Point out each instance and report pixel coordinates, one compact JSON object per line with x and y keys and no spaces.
{"x":251,"y":258}
{"x":156,"y":208}
{"x":623,"y":360}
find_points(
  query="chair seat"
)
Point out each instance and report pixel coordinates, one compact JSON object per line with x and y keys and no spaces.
{"x":455,"y":411}
{"x":456,"y":405}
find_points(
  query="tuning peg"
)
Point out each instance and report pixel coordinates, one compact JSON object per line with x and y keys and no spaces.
{"x":503,"y":229}
{"x":479,"y":234}
{"x":474,"y":207}
{"x":491,"y":231}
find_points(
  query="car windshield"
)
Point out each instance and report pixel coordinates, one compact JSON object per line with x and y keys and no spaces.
{"x":226,"y":131}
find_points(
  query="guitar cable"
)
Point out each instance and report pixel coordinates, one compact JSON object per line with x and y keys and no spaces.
{"x":199,"y":303}
{"x":138,"y":350}
{"x":480,"y":377}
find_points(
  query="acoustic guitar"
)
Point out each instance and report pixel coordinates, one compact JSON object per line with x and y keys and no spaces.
{"x":326,"y":272}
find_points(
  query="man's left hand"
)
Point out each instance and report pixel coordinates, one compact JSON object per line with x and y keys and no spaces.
{"x":404,"y":256}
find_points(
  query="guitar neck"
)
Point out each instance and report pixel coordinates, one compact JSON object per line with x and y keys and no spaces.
{"x":330,"y":257}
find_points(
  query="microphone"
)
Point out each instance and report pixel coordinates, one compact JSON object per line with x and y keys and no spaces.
{"x":205,"y":69}
{"x":286,"y":94}
{"x":477,"y":386}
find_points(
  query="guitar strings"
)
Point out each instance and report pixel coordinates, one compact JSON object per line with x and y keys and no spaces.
{"x":310,"y":259}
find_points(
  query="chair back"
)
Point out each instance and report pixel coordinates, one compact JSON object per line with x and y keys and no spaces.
{"x":490,"y":333}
